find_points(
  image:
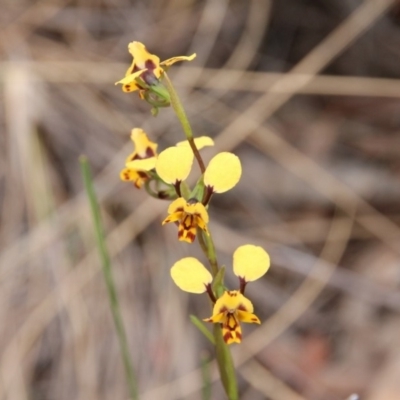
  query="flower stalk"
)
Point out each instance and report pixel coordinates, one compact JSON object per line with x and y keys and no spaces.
{"x":223,"y":354}
{"x":181,"y":114}
{"x":207,"y":245}
{"x":225,"y":364}
{"x":167,"y":172}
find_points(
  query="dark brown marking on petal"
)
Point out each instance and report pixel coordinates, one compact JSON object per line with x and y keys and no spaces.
{"x":188,"y":221}
{"x":239,"y":335}
{"x":191,"y":236}
{"x":231,"y":322}
{"x":254,"y":319}
{"x":179,"y":209}
{"x":227,"y":336}
{"x":242,"y":307}
{"x":149,"y":64}
{"x":142,"y":174}
{"x":150,"y":152}
{"x":135,"y":157}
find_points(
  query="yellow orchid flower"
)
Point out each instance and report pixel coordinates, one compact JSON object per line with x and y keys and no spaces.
{"x":147,"y":67}
{"x":229,"y":310}
{"x":144,"y":149}
{"x":190,"y":215}
{"x":172,"y":165}
{"x":249,"y":263}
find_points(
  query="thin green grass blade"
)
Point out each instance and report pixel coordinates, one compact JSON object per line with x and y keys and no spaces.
{"x":109,"y":279}
{"x":200,"y":326}
{"x":206,"y":376}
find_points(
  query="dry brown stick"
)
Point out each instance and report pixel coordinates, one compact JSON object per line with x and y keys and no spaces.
{"x":265,"y":382}
{"x":226,"y":80}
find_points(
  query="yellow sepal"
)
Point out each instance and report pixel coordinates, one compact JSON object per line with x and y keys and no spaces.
{"x":173,"y":60}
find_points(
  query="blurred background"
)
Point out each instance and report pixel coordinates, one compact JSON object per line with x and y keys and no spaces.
{"x":306,"y":92}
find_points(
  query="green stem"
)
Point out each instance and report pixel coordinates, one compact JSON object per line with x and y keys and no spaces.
{"x":224,"y":357}
{"x":225,"y":364}
{"x":223,"y":353}
{"x":200,"y":326}
{"x":109,"y":279}
{"x":206,"y":375}
{"x":207,"y":245}
{"x":180,"y":113}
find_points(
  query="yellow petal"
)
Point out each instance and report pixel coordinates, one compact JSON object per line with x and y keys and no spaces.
{"x":202,"y":224}
{"x":215,"y":318}
{"x":143,"y":59}
{"x":196,"y":208}
{"x":128,"y":174}
{"x":232,"y":336}
{"x":129,"y":81}
{"x":200,"y":142}
{"x":231,"y":301}
{"x":223,"y":172}
{"x":177,"y":205}
{"x":185,"y":233}
{"x":172,"y":218}
{"x":245,"y":304}
{"x":248,"y":317}
{"x":250,"y":262}
{"x":173,"y":60}
{"x":174,"y":164}
{"x":144,"y":147}
{"x":190,"y":275}
{"x":137,"y":177}
{"x":145,"y":164}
